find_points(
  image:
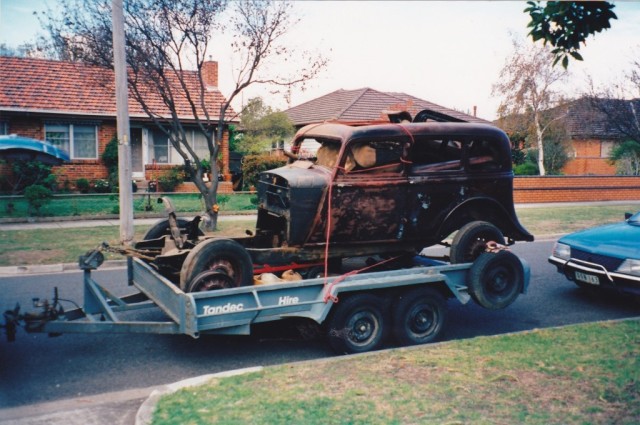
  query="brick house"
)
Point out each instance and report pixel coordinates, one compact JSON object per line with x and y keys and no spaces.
{"x":594,"y":126}
{"x":367,"y":104}
{"x":73,"y":106}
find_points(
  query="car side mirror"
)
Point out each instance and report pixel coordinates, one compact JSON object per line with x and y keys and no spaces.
{"x":627,"y":215}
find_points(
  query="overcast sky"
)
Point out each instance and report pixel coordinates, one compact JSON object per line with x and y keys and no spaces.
{"x":449,"y":53}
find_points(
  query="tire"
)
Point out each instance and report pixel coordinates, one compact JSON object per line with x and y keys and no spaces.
{"x":216,"y":264}
{"x":419,"y":315}
{"x":161,"y":228}
{"x":471,"y":240}
{"x":496,"y":279}
{"x":357,"y":324}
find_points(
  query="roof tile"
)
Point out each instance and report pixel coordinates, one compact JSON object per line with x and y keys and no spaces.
{"x":74,"y":88}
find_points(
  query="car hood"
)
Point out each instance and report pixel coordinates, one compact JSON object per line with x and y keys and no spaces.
{"x":620,"y":240}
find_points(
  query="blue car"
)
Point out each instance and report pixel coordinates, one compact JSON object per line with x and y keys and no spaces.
{"x":605,"y":257}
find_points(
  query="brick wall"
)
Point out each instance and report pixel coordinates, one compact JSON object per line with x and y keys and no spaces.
{"x":588,"y":160}
{"x":531,"y":189}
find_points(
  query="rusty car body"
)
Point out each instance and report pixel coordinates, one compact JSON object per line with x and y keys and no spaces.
{"x":360,"y":190}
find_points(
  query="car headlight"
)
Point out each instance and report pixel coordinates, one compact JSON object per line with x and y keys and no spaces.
{"x":562,"y":251}
{"x":630,"y":266}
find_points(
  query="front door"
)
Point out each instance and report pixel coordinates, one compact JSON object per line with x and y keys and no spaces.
{"x":137,"y":167}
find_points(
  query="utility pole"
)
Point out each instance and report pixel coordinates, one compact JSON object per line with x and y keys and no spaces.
{"x":122,"y":106}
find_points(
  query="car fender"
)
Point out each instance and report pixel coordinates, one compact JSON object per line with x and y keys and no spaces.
{"x":483,"y":209}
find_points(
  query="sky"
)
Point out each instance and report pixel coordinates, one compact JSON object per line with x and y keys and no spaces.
{"x":449,"y":53}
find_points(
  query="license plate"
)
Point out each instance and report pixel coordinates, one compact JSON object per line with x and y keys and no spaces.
{"x":587,"y":278}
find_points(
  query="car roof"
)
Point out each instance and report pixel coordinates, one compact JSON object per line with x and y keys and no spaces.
{"x":345,"y":132}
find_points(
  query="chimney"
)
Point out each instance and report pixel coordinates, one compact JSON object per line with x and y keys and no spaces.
{"x":210,"y":73}
{"x":475,"y":109}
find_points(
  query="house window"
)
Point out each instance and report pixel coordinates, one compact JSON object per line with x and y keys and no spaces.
{"x":198,"y":141}
{"x":605,"y":148}
{"x":162,"y":152}
{"x":4,"y":128}
{"x":80,"y":141}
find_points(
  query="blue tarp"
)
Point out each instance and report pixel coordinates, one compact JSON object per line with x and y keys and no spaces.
{"x":13,"y":147}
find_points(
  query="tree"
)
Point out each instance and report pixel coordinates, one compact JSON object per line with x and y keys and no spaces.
{"x":262,"y":127}
{"x":626,"y":156}
{"x":616,"y":108}
{"x":165,"y":39}
{"x":526,"y":87}
{"x":566,"y":24}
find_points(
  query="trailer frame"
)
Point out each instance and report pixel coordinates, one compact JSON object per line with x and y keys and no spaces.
{"x":230,"y":311}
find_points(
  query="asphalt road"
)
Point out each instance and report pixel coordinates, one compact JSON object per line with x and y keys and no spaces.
{"x":36,"y":368}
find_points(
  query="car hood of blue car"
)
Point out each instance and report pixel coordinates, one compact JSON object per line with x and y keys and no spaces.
{"x":619,"y":240}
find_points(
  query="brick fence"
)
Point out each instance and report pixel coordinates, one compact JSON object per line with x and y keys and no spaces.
{"x":531,"y":189}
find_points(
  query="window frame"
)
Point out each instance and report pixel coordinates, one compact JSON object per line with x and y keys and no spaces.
{"x":70,"y":130}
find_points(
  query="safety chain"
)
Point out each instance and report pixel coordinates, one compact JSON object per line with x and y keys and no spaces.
{"x":127,"y":252}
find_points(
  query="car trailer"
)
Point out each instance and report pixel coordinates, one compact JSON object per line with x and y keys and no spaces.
{"x":356,"y":310}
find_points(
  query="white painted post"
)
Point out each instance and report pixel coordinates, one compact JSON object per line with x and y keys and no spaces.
{"x":124,"y":138}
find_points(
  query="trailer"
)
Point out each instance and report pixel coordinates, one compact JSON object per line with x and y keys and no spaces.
{"x":357,"y":310}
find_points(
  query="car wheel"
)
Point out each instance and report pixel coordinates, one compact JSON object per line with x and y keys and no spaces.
{"x":496,"y":279}
{"x":419,"y":316}
{"x":471,"y":240}
{"x":162,"y":228}
{"x":216,"y":264}
{"x":357,"y":324}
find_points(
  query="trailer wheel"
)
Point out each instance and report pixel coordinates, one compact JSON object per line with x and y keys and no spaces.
{"x":216,"y":264}
{"x":357,"y":324}
{"x":419,"y":316}
{"x":162,"y":228}
{"x":471,"y":239}
{"x":496,"y":279}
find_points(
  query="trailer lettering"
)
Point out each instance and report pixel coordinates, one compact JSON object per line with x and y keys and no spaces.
{"x":220,"y":309}
{"x":287,"y":300}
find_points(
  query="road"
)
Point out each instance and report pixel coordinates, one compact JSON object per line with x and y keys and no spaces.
{"x":36,"y":368}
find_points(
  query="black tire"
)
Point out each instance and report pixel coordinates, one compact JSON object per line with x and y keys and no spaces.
{"x":419,"y":315}
{"x":470,"y":241}
{"x":161,"y":228}
{"x":496,"y":279}
{"x":357,"y":324}
{"x":216,"y":264}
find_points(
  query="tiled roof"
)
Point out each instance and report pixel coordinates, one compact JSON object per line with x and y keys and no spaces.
{"x":365,"y":105}
{"x":602,"y":118}
{"x":47,"y":86}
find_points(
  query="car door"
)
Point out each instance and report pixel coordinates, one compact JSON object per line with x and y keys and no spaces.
{"x":368,"y":194}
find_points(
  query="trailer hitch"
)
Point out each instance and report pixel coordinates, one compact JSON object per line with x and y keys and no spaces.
{"x":32,"y":322}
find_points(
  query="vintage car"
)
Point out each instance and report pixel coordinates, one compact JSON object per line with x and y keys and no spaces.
{"x":606,"y":257}
{"x":384,"y":189}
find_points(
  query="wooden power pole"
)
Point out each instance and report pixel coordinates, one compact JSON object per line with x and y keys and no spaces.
{"x":122,"y":105}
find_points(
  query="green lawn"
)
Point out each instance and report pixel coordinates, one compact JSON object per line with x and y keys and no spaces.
{"x":586,"y":374}
{"x":107,"y":204}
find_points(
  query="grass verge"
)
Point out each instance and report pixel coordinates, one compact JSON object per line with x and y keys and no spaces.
{"x":582,"y":374}
{"x":52,"y":246}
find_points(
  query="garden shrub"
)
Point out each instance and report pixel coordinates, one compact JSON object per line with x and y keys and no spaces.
{"x":526,"y":169}
{"x":171,"y":179}
{"x":37,"y":196}
{"x":28,"y":173}
{"x":102,"y":186}
{"x":82,"y":185}
{"x":253,"y":165}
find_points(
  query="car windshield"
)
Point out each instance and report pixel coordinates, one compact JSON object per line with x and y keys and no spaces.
{"x":634,"y":219}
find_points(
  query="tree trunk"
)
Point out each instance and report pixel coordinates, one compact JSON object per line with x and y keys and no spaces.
{"x":211,"y":201}
{"x":539,"y":134}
